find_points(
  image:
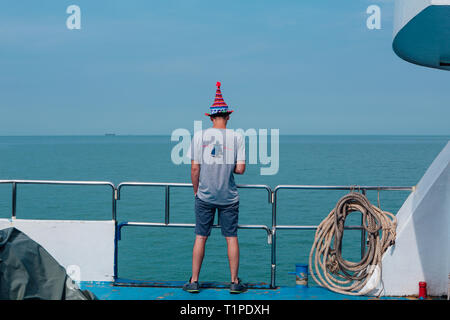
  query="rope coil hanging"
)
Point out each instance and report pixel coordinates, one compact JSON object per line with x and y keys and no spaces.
{"x":328,"y":268}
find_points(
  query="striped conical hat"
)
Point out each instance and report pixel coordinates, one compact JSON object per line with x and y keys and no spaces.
{"x":219,"y":105}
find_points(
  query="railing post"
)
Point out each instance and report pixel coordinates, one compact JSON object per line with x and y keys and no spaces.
{"x":14,"y":200}
{"x":114,"y":204}
{"x":363,"y":232}
{"x":167,"y":206}
{"x":274,"y":238}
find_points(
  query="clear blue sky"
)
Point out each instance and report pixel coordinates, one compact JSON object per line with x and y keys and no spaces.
{"x":149,"y":67}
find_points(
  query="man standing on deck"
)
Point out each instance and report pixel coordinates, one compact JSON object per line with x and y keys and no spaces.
{"x":216,"y":154}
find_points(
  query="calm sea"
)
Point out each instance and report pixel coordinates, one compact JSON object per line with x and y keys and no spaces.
{"x":165,"y":253}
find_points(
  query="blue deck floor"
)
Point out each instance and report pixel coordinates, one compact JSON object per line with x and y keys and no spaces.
{"x":109,"y":291}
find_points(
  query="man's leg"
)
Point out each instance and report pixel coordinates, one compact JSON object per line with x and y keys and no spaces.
{"x":228,"y":217}
{"x":198,"y":253}
{"x":233,"y":257}
{"x":204,"y":218}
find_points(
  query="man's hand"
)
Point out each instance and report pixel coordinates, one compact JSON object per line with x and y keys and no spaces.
{"x":240,"y":167}
{"x":195,"y":175}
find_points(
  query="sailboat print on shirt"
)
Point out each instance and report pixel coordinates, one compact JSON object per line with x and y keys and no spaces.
{"x":216,"y":150}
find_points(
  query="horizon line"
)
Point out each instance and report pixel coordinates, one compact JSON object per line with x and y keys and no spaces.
{"x":281,"y":134}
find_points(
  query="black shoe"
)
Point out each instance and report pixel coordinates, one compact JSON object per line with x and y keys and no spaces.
{"x":238,"y":287}
{"x":192,"y":287}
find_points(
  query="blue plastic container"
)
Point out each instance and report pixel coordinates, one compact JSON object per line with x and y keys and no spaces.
{"x":301,"y":274}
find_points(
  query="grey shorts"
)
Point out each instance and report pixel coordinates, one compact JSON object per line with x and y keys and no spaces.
{"x":204,"y":218}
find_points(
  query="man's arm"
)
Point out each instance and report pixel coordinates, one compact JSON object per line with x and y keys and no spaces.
{"x":240,"y":155}
{"x":240,"y":167}
{"x":195,"y":175}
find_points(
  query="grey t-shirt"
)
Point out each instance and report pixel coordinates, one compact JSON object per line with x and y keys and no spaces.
{"x":217,"y":151}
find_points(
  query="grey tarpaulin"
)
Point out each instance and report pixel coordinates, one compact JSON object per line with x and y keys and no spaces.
{"x":28,"y":271}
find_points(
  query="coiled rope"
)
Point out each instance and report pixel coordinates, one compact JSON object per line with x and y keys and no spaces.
{"x":330,"y":269}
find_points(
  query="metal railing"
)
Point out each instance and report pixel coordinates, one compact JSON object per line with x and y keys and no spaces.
{"x":15,"y":183}
{"x":168,"y":185}
{"x":276,"y":227}
{"x":272,"y":199}
{"x":167,"y":223}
